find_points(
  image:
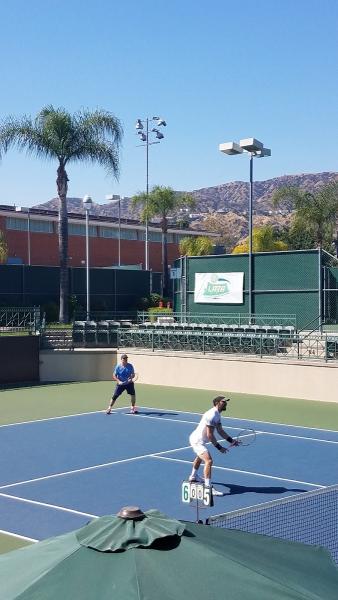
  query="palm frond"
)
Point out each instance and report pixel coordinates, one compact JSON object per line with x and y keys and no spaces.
{"x":101,"y":152}
{"x":24,"y":135}
{"x":100,"y":123}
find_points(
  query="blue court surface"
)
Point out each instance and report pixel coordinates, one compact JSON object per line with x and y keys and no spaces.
{"x":59,"y":473}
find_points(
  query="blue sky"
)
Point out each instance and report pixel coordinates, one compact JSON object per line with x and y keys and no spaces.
{"x":216,"y":71}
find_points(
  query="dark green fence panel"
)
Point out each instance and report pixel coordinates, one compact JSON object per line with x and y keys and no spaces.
{"x":286,"y":271}
{"x":110,"y":289}
{"x":295,"y":282}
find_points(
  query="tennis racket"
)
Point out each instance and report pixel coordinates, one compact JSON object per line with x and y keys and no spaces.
{"x":246,"y":437}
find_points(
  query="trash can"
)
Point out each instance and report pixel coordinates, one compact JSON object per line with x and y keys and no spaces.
{"x":91,"y":333}
{"x":102,"y":333}
{"x":79,"y":333}
{"x":113,"y":332}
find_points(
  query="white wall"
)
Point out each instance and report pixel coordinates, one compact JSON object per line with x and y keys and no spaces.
{"x":312,"y":381}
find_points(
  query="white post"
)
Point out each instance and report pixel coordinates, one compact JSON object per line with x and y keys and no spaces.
{"x":29,"y":237}
{"x":87,"y":264}
{"x":87,"y":203}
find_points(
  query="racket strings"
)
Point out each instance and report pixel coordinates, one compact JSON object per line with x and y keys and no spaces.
{"x":246,"y":437}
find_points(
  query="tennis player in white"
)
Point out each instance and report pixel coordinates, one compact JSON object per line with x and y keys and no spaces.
{"x":204,"y":434}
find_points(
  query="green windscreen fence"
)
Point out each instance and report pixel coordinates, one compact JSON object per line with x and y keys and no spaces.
{"x":302,"y":283}
{"x":110,"y":289}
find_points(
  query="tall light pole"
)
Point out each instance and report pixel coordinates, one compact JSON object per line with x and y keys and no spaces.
{"x":87,"y":204}
{"x":255,"y":149}
{"x":116,"y":198}
{"x":25,"y":209}
{"x":144,"y":136}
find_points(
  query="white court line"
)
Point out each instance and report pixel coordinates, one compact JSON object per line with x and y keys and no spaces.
{"x":144,"y":456}
{"x":16,"y":535}
{"x":118,"y":408}
{"x":93,"y":412}
{"x":46,"y":505}
{"x":83,"y":469}
{"x":298,"y":437}
{"x":187,"y":412}
{"x":317,"y":485}
{"x":187,"y":422}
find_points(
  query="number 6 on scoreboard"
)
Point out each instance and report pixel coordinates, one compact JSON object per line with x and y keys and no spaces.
{"x":185,"y":491}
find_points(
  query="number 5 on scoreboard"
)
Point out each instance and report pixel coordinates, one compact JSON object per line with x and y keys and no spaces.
{"x":207,"y":497}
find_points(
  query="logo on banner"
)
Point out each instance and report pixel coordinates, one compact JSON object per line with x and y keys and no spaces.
{"x":216,"y":288}
{"x":219,"y":288}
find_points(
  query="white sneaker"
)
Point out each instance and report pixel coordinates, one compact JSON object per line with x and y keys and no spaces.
{"x":216,"y":492}
{"x":196,"y":479}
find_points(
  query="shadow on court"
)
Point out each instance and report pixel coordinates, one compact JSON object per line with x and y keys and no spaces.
{"x":232,"y":489}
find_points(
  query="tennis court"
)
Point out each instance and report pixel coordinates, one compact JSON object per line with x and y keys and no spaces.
{"x":59,"y":471}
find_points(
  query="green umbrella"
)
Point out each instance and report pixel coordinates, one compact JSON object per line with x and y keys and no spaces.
{"x":147,"y":556}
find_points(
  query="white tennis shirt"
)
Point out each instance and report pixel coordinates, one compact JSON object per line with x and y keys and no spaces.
{"x":211,"y":418}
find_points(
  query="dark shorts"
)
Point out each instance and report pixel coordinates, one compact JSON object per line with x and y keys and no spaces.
{"x":125,"y":387}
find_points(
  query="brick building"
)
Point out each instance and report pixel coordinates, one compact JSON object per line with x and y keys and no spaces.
{"x":32,"y":237}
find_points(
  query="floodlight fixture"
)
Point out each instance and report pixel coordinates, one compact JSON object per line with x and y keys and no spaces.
{"x":264,"y":152}
{"x":159,"y":135}
{"x":230,"y":148}
{"x":87,"y":202}
{"x":251,"y":145}
{"x":139,"y":124}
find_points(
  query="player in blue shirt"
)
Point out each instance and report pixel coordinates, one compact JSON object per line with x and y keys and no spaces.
{"x":124,"y":375}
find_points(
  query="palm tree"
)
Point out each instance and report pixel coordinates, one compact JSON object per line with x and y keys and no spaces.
{"x":314,"y":212}
{"x":3,"y":248}
{"x":196,"y":246}
{"x":55,"y":134}
{"x":263,"y":240}
{"x":162,"y":202}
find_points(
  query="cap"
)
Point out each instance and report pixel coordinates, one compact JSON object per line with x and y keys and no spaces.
{"x":124,"y":355}
{"x":219,"y":398}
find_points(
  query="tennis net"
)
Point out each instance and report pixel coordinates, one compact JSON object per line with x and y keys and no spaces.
{"x":311,"y":518}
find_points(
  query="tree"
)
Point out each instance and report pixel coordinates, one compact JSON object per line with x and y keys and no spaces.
{"x":230,"y":227}
{"x":263,"y":240}
{"x":297,"y":237}
{"x":3,"y":248}
{"x":196,"y":246}
{"x":162,"y":202}
{"x":55,"y":134}
{"x":315,"y":212}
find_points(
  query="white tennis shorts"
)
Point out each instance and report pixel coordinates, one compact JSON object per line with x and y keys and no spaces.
{"x":197,"y":445}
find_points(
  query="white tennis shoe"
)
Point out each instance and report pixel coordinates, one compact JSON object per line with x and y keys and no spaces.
{"x":216,"y":492}
{"x":196,"y":479}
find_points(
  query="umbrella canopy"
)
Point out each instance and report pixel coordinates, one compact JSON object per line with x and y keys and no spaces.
{"x":147,"y":556}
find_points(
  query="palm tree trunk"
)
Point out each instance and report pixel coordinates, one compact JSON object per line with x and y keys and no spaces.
{"x":62,"y":188}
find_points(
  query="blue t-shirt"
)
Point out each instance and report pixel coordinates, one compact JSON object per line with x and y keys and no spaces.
{"x":124,"y":373}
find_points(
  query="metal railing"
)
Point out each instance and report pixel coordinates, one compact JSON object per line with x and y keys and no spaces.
{"x":105,"y":315}
{"x":274,"y":342}
{"x":223,"y":318}
{"x":20,"y":319}
{"x":292,"y":346}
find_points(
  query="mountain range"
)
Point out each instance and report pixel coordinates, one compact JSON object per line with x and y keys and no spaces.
{"x":224,"y":198}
